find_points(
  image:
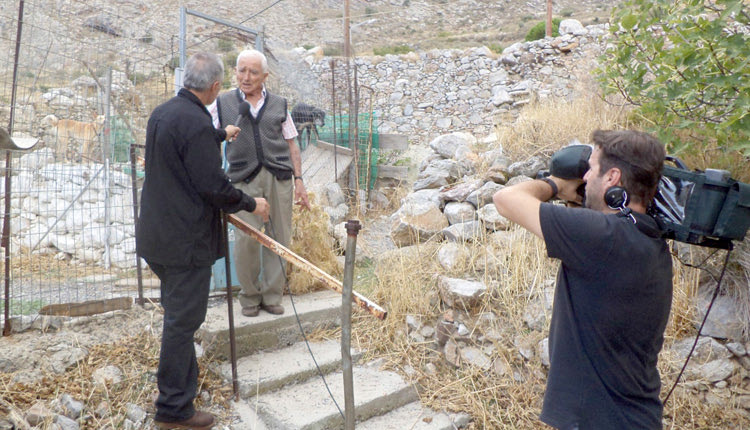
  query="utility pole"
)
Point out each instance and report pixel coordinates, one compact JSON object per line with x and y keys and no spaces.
{"x":549,"y":18}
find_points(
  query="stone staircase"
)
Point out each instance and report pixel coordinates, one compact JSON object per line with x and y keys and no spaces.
{"x":279,"y":384}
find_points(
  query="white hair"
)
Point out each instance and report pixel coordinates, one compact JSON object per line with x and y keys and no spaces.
{"x":253,"y":53}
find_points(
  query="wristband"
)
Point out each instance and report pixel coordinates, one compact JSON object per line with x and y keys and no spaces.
{"x":298,"y":177}
{"x":552,"y":185}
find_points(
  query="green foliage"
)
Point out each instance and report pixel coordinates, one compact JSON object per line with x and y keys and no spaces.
{"x":539,"y":30}
{"x":396,"y":50}
{"x":308,"y":46}
{"x":370,"y":11}
{"x":224,"y":45}
{"x":332,"y":51}
{"x":684,"y":65}
{"x":23,"y":307}
{"x":496,"y":48}
{"x":567,"y":12}
{"x":122,"y":138}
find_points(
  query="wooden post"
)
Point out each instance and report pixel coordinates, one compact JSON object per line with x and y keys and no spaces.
{"x":549,"y":18}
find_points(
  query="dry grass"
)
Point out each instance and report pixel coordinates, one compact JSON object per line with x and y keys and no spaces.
{"x":106,"y":405}
{"x":311,"y":241}
{"x":544,"y":127}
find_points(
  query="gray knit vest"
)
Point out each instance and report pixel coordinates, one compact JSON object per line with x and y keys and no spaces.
{"x":260,"y":143}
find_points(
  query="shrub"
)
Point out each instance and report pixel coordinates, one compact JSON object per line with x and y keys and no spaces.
{"x":396,"y":50}
{"x":539,"y":30}
{"x":684,"y":67}
{"x":496,"y":48}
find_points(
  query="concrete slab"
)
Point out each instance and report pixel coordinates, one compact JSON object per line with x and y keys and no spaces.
{"x":375,"y":392}
{"x":269,"y":370}
{"x":413,"y":416}
{"x":266,"y":331}
{"x":246,"y":417}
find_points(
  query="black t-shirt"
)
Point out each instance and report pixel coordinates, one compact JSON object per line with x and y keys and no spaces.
{"x":612,"y":301}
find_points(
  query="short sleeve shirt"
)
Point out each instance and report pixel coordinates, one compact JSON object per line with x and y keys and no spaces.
{"x":611,"y":306}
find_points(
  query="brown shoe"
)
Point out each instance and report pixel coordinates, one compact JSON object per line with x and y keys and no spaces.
{"x":199,"y":421}
{"x":251,"y":311}
{"x":272,"y":309}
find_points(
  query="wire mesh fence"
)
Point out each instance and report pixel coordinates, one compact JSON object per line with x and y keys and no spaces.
{"x":81,"y":79}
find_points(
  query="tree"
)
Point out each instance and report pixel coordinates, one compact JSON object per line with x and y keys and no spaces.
{"x":685,"y":65}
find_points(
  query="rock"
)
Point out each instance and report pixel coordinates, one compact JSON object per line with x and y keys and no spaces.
{"x":542,"y":349}
{"x":525,"y":347}
{"x":736,"y":348}
{"x":459,"y":192}
{"x":491,"y":219}
{"x":135,"y":413}
{"x":66,"y":358}
{"x":417,"y":222}
{"x":334,"y":195}
{"x":444,"y":330}
{"x":571,"y":26}
{"x":66,"y":423}
{"x":38,"y":413}
{"x":465,"y":232}
{"x":107,"y":375}
{"x":452,"y":256}
{"x":447,"y":144}
{"x":452,"y":354}
{"x":461,"y":292}
{"x":483,"y":195}
{"x":338,"y":214}
{"x":412,"y":323}
{"x":714,"y":371}
{"x":457,"y":213}
{"x":500,"y":367}
{"x":707,"y":349}
{"x":71,"y":407}
{"x":475,"y":357}
{"x":528,"y":168}
{"x":724,"y":320}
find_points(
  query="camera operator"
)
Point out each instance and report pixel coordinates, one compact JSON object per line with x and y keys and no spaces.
{"x":614,"y":286}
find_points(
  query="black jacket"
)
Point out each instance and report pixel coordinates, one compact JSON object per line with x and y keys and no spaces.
{"x":184,"y":187}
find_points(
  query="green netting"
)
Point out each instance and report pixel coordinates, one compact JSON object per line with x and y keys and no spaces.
{"x":367,"y":143}
{"x":122,"y":138}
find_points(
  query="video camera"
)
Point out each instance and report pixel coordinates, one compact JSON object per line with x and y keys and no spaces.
{"x":705,"y":208}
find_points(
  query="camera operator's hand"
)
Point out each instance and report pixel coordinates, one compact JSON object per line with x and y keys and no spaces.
{"x":567,"y":190}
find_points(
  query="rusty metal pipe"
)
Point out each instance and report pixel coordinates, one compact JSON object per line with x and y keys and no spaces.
{"x":352,"y":228}
{"x":307,"y":267}
{"x":230,"y":309}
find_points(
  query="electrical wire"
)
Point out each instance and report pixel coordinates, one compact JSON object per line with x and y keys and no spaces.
{"x":299,"y":323}
{"x":705,"y":318}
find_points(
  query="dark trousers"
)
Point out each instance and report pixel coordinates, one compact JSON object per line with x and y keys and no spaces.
{"x":184,"y":297}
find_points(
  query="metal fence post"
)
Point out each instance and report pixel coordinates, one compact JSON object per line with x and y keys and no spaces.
{"x":352,"y":229}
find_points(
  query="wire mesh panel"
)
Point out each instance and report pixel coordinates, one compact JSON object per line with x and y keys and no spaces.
{"x":83,"y":80}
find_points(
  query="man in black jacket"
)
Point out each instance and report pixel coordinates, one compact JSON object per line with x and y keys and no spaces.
{"x":179,"y":231}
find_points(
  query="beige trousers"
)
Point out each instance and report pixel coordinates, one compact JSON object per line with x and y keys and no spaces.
{"x":262,"y":273}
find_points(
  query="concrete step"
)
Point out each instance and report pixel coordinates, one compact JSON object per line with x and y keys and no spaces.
{"x":266,"y":331}
{"x":413,"y":416}
{"x":308,"y":406}
{"x":270,"y":370}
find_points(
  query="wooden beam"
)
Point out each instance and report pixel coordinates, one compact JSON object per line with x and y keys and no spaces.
{"x":88,"y":308}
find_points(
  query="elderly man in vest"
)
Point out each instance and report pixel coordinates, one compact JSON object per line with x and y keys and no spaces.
{"x":264,"y":161}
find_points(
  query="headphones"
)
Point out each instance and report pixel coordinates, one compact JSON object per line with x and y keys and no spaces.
{"x":617,"y":198}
